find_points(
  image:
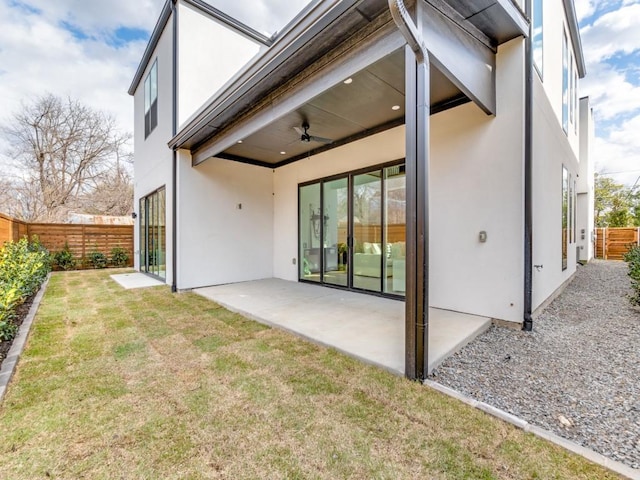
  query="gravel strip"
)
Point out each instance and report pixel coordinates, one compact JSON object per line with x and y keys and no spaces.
{"x":577,"y":374}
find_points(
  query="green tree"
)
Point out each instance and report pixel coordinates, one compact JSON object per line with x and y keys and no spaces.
{"x":613,"y":203}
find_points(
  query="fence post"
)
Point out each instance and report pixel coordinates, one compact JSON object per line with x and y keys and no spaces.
{"x":604,"y":243}
{"x":84,"y":241}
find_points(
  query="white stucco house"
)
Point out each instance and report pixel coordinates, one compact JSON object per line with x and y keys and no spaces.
{"x":435,"y":152}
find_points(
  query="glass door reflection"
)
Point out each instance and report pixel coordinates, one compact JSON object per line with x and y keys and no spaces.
{"x":335,"y":208}
{"x":367,"y":231}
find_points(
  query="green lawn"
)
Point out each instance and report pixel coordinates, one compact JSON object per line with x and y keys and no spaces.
{"x":149,"y":384}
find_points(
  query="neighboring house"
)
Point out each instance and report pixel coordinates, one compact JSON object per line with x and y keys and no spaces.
{"x":302,"y":155}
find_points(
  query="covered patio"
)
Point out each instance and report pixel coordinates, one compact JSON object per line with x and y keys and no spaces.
{"x":367,"y":327}
{"x":333,"y":122}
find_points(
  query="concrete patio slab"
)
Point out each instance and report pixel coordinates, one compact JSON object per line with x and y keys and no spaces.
{"x":364,"y":326}
{"x":135,"y":280}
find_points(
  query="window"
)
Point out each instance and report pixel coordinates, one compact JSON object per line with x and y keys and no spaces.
{"x":571,"y":208}
{"x":572,"y":107}
{"x":537,"y":35}
{"x":151,"y":100}
{"x":565,"y":83}
{"x":575,"y":99}
{"x":153,"y":233}
{"x":565,"y":215}
{"x":352,"y":230}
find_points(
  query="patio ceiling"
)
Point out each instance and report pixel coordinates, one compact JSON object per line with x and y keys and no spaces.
{"x":253,"y":119}
{"x":369,"y":101}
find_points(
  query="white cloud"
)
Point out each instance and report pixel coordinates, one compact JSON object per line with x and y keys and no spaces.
{"x":266,"y":16}
{"x":614,"y":93}
{"x":97,"y":16}
{"x":614,"y":32}
{"x":38,"y":55}
{"x":610,"y":91}
{"x":584,"y":8}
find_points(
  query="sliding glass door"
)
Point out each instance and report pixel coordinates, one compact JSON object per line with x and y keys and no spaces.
{"x":367,"y":231}
{"x":352,"y":230}
{"x":153,"y":233}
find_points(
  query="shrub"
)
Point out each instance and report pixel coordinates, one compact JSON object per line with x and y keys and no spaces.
{"x":23,"y":268}
{"x":97,"y":260}
{"x":119,"y":257}
{"x":64,"y":259}
{"x":632,"y":257}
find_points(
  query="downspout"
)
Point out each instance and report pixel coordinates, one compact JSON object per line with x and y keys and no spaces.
{"x":417,"y":301}
{"x":528,"y":176}
{"x":174,"y":166}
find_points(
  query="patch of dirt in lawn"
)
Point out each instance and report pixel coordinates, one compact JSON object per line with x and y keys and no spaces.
{"x":21,"y":314}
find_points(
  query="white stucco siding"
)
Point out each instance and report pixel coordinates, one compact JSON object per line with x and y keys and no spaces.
{"x":373,"y":150}
{"x":477,"y":185}
{"x":225,"y":222}
{"x":210,"y":54}
{"x":586,"y":192}
{"x":551,"y":151}
{"x":555,"y":24}
{"x":152,"y":158}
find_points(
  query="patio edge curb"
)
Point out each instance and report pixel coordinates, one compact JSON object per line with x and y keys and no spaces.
{"x":591,"y":455}
{"x":13,"y":355}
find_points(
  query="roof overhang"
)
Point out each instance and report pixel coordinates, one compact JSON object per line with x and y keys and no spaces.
{"x":338,"y":39}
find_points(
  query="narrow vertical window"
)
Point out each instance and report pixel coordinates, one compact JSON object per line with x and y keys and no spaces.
{"x":572,"y":106}
{"x":537,"y":35}
{"x":565,"y":215}
{"x":153,"y":233}
{"x":575,"y":208}
{"x":151,"y":100}
{"x":565,"y":83}
{"x":575,"y":99}
{"x":570,"y":223}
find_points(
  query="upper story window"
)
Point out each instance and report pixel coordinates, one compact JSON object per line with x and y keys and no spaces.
{"x":565,"y":83}
{"x":572,"y":88}
{"x":537,"y":35}
{"x":575,"y":98}
{"x":151,"y":100}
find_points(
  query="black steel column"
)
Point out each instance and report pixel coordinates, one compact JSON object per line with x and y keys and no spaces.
{"x":417,"y":177}
{"x":411,"y":154}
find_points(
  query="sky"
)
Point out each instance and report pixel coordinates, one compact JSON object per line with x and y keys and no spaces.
{"x":90,"y":49}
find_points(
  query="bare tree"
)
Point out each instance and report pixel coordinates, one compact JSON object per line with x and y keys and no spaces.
{"x":64,"y":151}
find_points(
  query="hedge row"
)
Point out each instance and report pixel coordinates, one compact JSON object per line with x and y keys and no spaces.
{"x":632,"y":257}
{"x":24,"y":266}
{"x":65,"y":260}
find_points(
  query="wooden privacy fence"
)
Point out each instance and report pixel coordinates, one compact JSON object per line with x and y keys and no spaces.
{"x":82,"y":239}
{"x":613,"y":243}
{"x":373,"y":233}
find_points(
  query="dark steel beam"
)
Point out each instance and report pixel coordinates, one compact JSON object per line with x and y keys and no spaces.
{"x":417,"y":180}
{"x":422,"y":224}
{"x":410,"y":369}
{"x":465,"y":60}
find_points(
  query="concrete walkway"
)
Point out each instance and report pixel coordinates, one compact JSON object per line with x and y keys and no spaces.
{"x":364,"y":326}
{"x":135,"y":280}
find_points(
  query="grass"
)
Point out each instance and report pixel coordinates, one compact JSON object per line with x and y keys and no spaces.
{"x":148,"y":384}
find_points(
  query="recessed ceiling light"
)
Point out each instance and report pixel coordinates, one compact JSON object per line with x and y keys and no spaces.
{"x":239,"y":141}
{"x":283,"y":153}
{"x":348,"y":81}
{"x":395,"y":107}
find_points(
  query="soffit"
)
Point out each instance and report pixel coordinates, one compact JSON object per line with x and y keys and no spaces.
{"x":341,"y":112}
{"x":338,"y":113}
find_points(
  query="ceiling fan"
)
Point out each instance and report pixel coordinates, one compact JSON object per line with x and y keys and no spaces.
{"x":305,"y":137}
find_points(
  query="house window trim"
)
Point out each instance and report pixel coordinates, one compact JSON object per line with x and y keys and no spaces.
{"x":151,"y":101}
